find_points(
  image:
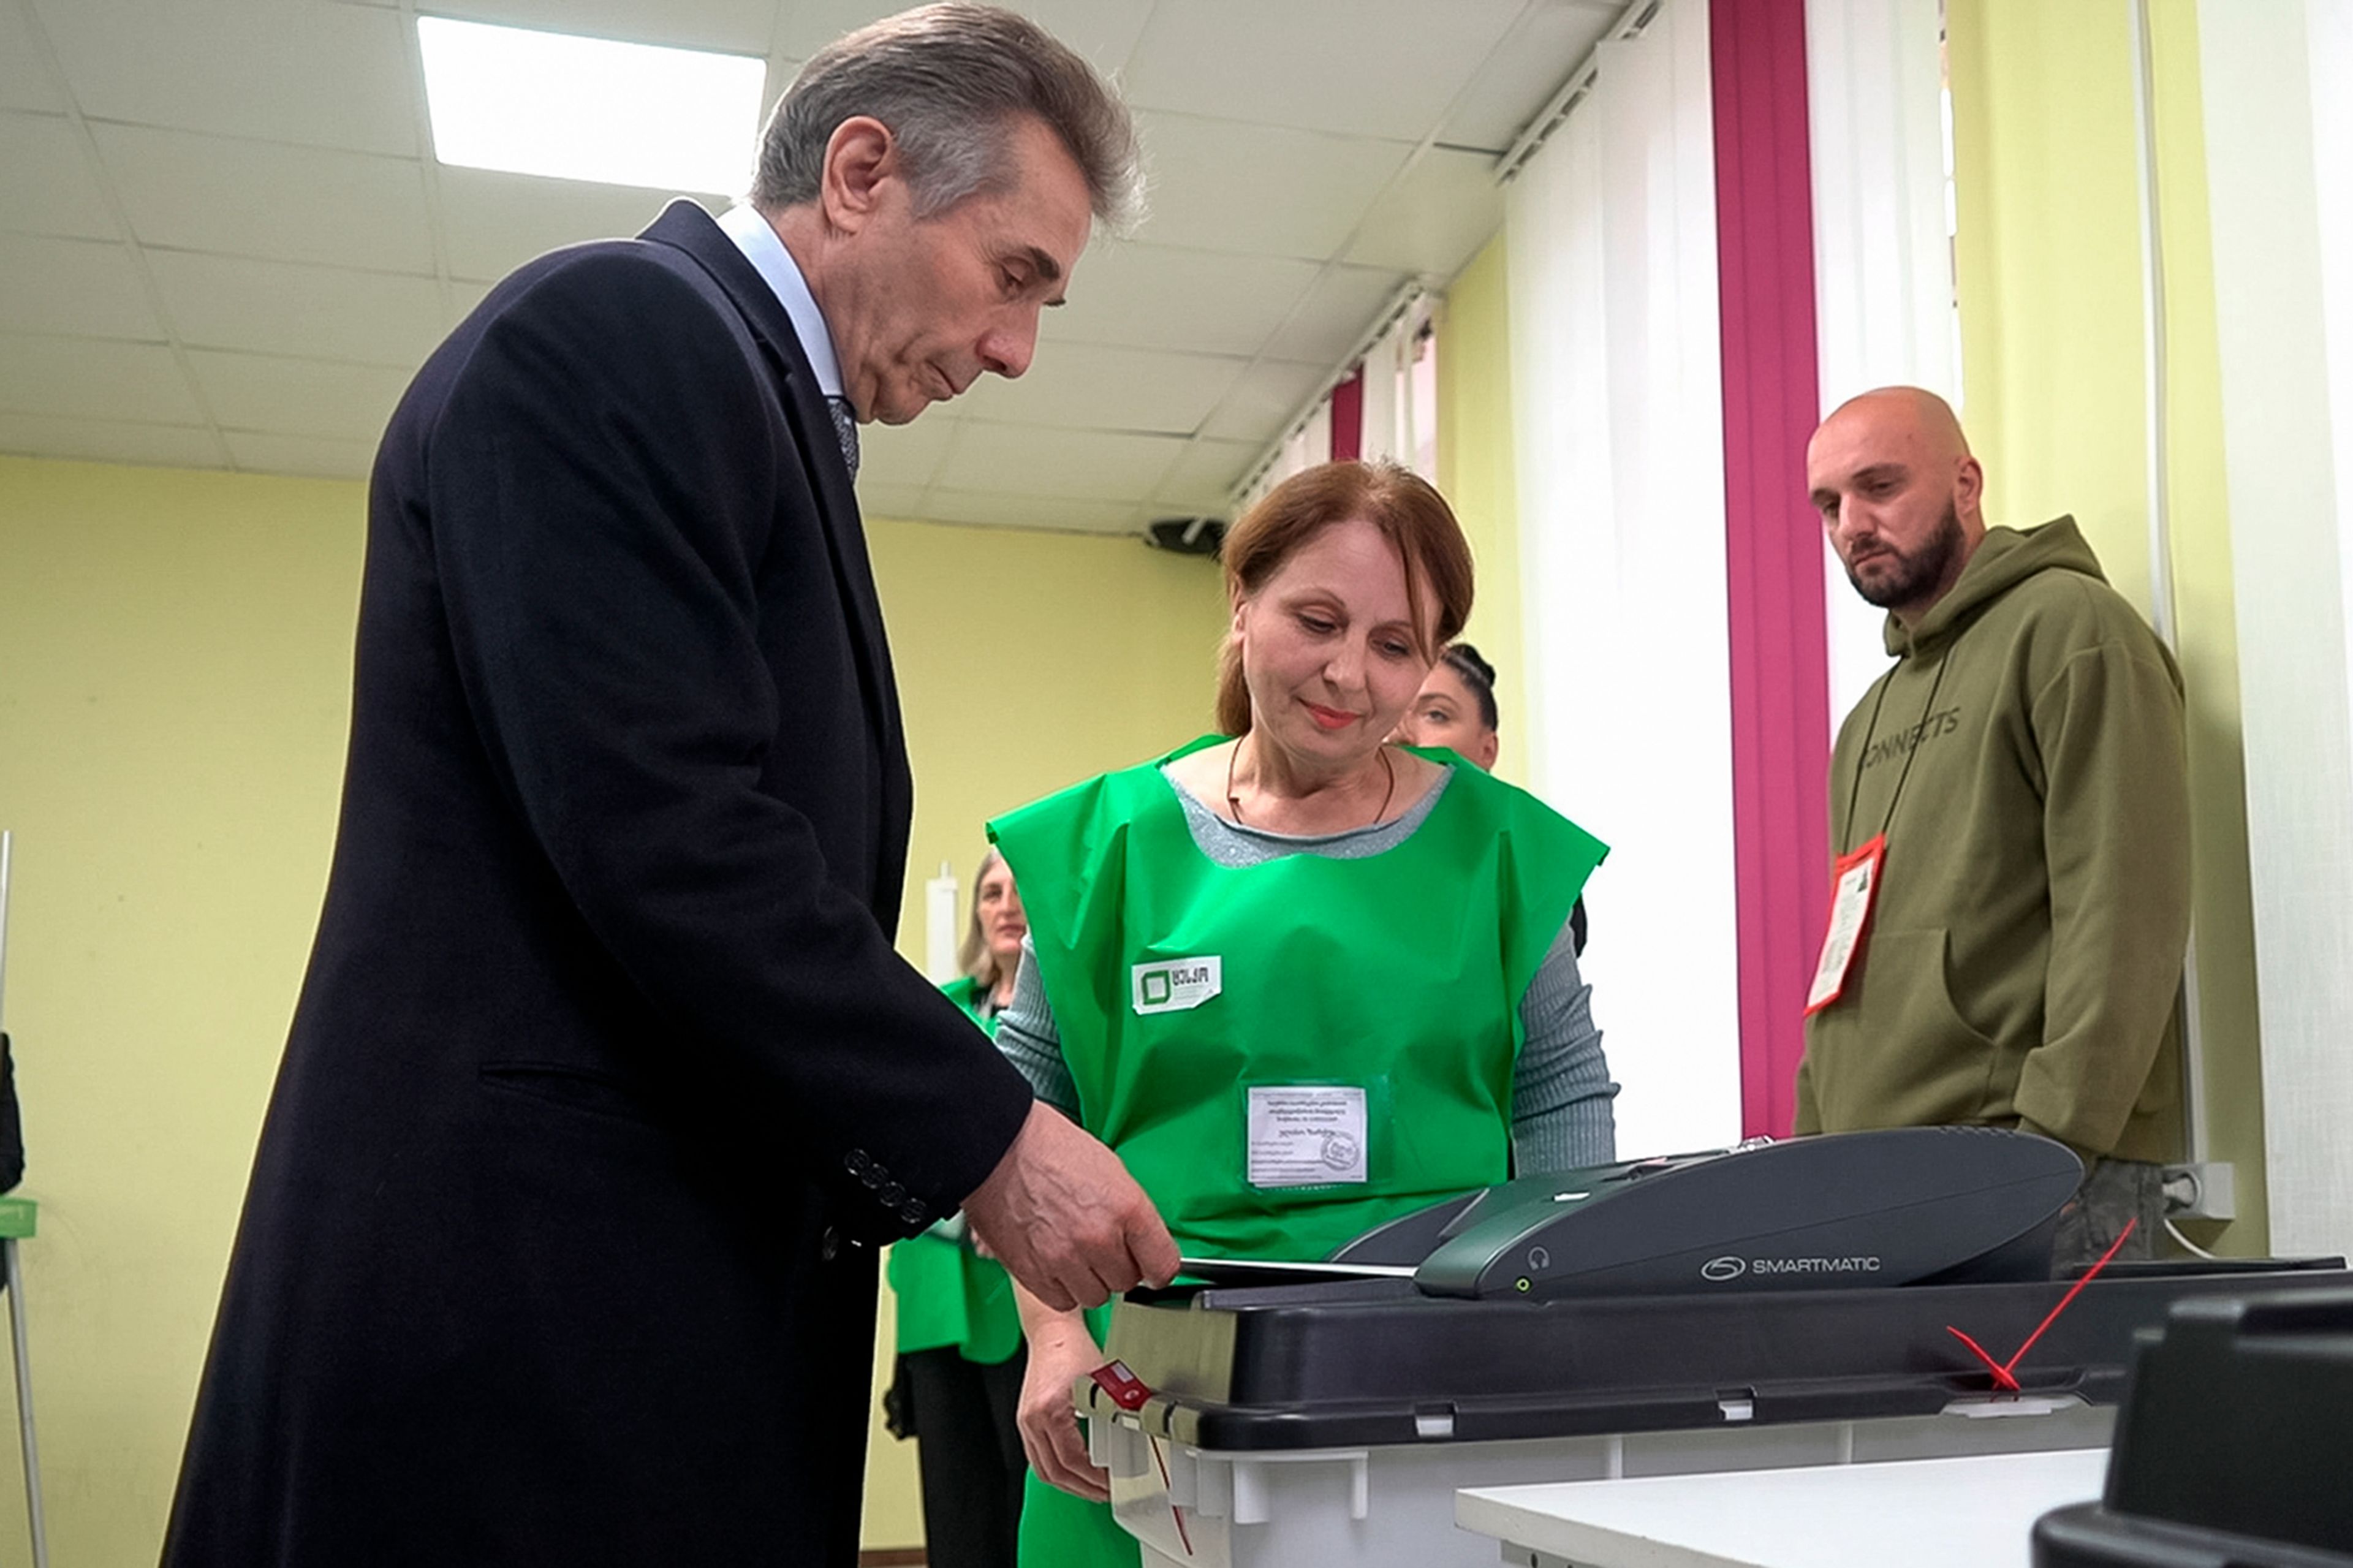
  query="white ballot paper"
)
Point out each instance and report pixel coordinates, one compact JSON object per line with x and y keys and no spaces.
{"x":1306,"y":1135}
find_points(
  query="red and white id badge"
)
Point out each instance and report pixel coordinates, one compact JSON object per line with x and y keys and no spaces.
{"x":1854,"y":888}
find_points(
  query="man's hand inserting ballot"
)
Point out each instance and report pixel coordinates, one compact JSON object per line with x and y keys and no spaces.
{"x":1064,"y":1216}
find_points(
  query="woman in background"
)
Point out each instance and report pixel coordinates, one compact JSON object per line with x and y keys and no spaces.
{"x":1303,"y":981}
{"x":960,"y":1362}
{"x":1456,"y":708}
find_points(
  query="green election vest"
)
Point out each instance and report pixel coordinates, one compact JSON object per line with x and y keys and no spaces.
{"x":948,"y":1294}
{"x":1288,"y":1054}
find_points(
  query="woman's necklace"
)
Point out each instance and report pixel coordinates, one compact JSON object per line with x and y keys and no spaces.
{"x":1234,"y":800}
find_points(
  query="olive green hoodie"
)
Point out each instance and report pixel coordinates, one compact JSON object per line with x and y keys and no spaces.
{"x":2024,"y":757}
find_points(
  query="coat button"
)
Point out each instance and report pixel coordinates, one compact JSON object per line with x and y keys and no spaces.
{"x":856,"y":1163}
{"x":829,"y":1244}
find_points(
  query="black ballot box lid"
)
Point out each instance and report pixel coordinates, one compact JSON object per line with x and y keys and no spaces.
{"x":2234,"y":1447}
{"x":1375,"y":1361}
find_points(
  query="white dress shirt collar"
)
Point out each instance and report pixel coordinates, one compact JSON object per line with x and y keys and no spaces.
{"x":756,"y":239}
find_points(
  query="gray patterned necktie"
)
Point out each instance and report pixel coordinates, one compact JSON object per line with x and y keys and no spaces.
{"x":845,"y":430}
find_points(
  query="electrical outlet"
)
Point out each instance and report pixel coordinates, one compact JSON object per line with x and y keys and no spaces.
{"x":2201,"y":1192}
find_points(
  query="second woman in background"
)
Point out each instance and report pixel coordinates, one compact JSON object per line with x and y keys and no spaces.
{"x":1456,"y":708}
{"x":1302,"y":980}
{"x":960,"y":1362}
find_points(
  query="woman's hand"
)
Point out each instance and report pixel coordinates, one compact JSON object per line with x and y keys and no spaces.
{"x":1061,"y":1351}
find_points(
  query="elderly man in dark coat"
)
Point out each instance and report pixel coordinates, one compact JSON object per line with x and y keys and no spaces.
{"x":606,"y":1081}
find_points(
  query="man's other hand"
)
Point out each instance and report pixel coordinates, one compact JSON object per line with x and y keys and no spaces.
{"x":1062,"y":1213}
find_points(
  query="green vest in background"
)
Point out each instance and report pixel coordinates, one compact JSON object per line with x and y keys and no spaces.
{"x":1365,"y":1010}
{"x":950,"y":1296}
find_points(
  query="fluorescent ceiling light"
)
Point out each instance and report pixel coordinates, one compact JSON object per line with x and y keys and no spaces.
{"x":590,"y":109}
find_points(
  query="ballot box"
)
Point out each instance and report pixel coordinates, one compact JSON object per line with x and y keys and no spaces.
{"x":1333,"y":1422}
{"x":2234,"y":1447}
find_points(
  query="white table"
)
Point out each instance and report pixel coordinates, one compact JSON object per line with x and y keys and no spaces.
{"x":1972,"y":1512}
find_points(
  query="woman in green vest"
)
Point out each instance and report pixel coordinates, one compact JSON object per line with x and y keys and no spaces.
{"x":1302,"y":980}
{"x":960,"y":1362}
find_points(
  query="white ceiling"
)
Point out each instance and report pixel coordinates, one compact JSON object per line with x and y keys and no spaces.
{"x":225,"y":243}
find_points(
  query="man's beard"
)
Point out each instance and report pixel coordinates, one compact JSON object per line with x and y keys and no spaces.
{"x":1918,"y":573}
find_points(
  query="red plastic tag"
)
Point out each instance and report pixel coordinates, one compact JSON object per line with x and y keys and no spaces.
{"x":1126,"y":1390}
{"x":1854,"y":889}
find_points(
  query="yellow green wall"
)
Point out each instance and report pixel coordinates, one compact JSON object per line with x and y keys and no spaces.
{"x":2049,"y":267}
{"x":1474,"y":473}
{"x":174,"y":663}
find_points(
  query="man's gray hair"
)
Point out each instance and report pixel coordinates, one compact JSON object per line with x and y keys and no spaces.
{"x":951,"y":81}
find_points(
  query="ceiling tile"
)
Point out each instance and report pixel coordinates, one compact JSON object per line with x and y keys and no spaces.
{"x":84,"y":287}
{"x":308,"y":456}
{"x":109,"y":441}
{"x":1436,"y":217}
{"x":998,"y":508}
{"x":1219,"y":184}
{"x":1030,"y":460}
{"x":298,"y":396}
{"x":728,"y":26}
{"x":905,"y":455}
{"x":1084,"y":386}
{"x":1551,"y":40}
{"x":90,"y":378}
{"x":314,"y":312}
{"x":1133,"y":295}
{"x":1368,"y":68}
{"x":1104,"y":31}
{"x":1334,"y":315}
{"x":258,"y":198}
{"x":282,"y":71}
{"x":493,"y":223}
{"x":1263,"y":400}
{"x":1204,"y":474}
{"x":47,"y":181}
{"x":26,"y":80}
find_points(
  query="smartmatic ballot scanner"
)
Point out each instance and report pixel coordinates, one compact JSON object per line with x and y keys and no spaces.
{"x":1869,"y":1295}
{"x":1944,"y":1203}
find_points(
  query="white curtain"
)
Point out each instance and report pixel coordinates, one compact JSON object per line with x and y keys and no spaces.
{"x":2277,"y":76}
{"x":1304,"y":449}
{"x":1394,"y":419}
{"x":1383,"y":408}
{"x":1617,"y":420}
{"x":1882,"y":247}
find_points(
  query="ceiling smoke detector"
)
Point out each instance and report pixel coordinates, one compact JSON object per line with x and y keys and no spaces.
{"x":1187,"y":535}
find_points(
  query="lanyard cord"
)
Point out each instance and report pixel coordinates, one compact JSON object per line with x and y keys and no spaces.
{"x":1855,"y":790}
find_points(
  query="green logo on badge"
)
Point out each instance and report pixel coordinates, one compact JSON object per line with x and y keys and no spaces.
{"x":1174,"y":985}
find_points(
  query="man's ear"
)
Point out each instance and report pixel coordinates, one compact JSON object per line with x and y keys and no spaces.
{"x":1968,"y":485}
{"x":860,"y":157}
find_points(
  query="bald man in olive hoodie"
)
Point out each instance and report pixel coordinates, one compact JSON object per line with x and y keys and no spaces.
{"x":2024,"y":759}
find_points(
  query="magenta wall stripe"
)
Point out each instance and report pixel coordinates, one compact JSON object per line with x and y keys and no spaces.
{"x":1348,"y":418}
{"x":1780,"y":699}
